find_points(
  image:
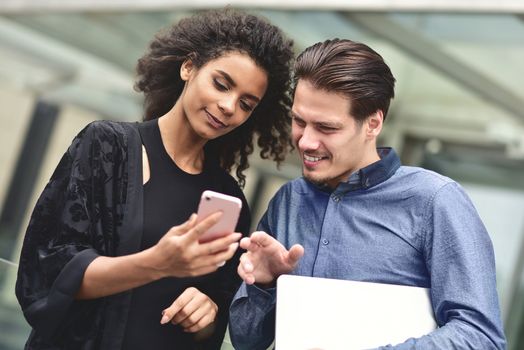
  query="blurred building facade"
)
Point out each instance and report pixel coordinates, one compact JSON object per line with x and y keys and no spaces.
{"x":458,"y":110}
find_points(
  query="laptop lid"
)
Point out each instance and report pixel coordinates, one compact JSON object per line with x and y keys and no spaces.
{"x":329,"y":314}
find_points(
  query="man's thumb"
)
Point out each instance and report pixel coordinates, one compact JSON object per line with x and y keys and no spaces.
{"x":295,"y":253}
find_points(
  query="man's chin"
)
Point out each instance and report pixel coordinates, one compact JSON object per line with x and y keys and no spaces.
{"x":318,"y":181}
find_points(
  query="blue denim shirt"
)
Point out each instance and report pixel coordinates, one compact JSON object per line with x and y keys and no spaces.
{"x":389,"y":224}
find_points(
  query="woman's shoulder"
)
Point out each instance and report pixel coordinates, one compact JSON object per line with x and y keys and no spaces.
{"x":108,"y":131}
{"x":102,"y":128}
{"x":104,"y":137}
{"x":227,"y":179}
{"x":224,"y":182}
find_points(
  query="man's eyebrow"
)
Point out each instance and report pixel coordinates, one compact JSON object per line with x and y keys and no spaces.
{"x":232,"y":83}
{"x":335,"y":125}
{"x":329,"y":124}
{"x":294,"y":115}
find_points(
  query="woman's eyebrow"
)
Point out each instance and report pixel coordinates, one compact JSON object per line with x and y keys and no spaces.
{"x":232,"y":83}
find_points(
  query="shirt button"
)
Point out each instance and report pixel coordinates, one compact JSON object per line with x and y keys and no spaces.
{"x":325,"y":241}
{"x":336,"y":198}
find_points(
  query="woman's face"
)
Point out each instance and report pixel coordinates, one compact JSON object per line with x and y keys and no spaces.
{"x":220,"y":95}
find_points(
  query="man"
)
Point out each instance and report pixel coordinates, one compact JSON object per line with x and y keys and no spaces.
{"x":357,"y":214}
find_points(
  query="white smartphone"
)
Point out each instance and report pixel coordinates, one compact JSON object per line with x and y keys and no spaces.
{"x":211,"y":202}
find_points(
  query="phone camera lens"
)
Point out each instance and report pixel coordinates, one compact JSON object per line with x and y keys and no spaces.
{"x":208,"y":199}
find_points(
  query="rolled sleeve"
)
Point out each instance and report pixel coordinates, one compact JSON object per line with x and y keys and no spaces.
{"x":252,"y":317}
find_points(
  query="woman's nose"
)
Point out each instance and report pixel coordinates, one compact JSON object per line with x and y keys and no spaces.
{"x":227,"y":105}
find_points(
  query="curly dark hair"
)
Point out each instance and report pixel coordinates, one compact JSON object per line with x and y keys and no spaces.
{"x":210,"y":35}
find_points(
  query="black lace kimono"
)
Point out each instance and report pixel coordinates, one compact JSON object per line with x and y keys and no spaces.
{"x":92,"y":205}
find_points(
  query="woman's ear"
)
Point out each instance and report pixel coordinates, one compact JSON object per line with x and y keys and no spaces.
{"x":185,"y":69}
{"x":374,"y":124}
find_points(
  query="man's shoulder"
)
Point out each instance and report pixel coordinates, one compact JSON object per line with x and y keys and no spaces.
{"x":295,"y":186}
{"x":428,"y":178}
{"x":423,"y":183}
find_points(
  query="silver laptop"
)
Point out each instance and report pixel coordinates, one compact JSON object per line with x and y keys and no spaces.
{"x":320,"y":313}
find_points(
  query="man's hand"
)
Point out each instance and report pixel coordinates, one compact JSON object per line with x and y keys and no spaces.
{"x":266,"y":258}
{"x":192,"y":310}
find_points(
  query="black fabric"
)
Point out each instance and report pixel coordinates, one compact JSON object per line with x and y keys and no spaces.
{"x":170,"y":196}
{"x":92,"y":206}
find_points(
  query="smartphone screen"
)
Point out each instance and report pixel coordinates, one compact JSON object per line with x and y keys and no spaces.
{"x":211,"y":202}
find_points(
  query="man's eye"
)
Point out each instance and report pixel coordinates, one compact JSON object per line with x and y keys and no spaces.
{"x":327,"y":129}
{"x":299,"y":122}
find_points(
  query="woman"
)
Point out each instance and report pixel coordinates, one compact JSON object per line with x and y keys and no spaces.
{"x":110,"y":259}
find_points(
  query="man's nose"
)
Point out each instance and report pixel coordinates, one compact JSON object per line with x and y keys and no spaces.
{"x":308,"y":140}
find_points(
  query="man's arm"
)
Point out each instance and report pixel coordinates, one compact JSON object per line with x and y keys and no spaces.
{"x":252,"y":313}
{"x":252,"y":317}
{"x":460,"y":260}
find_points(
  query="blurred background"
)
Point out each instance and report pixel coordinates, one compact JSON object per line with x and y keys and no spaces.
{"x":459,"y":106}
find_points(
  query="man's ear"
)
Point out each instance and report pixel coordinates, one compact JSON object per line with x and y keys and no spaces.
{"x":374,"y":124}
{"x":185,"y":69}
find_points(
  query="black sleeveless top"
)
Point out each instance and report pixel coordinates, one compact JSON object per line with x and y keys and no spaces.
{"x":170,"y":197}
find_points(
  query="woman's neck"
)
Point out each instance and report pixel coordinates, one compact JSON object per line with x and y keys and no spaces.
{"x":182,"y":144}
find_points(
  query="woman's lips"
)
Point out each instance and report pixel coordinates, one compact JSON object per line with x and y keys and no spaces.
{"x":216,"y":123}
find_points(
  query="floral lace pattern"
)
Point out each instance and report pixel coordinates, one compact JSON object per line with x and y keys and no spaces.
{"x":76,"y":218}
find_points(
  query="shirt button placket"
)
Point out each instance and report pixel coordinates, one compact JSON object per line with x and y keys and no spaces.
{"x":336,"y":199}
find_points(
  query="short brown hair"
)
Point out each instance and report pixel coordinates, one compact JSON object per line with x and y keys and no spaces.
{"x":352,"y":69}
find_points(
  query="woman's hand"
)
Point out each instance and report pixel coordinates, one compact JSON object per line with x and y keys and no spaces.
{"x":192,"y":310}
{"x":180,"y":254}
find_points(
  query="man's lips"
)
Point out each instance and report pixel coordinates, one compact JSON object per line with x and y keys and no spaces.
{"x":311,"y":161}
{"x":312,"y":158}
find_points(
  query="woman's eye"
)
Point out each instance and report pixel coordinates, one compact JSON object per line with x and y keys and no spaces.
{"x":219,"y":85}
{"x":246,"y":106}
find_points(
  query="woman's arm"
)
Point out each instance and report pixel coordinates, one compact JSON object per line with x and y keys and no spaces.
{"x":177,"y":254}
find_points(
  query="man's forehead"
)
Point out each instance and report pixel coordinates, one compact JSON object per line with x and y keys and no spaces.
{"x":310,"y":96}
{"x":318,"y":110}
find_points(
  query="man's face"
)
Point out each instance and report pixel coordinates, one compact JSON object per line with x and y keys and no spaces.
{"x":331,"y":143}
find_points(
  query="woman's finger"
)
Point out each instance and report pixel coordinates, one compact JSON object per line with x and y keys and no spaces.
{"x":202,"y":227}
{"x":177,"y":305}
{"x":219,"y":259}
{"x":199,"y":306}
{"x":209,"y":263}
{"x":184,"y":227}
{"x":199,"y":309}
{"x":201,"y":324}
{"x":185,"y":315}
{"x":220,"y":244}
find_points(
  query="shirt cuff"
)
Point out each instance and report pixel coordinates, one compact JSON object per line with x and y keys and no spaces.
{"x":259,"y":296}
